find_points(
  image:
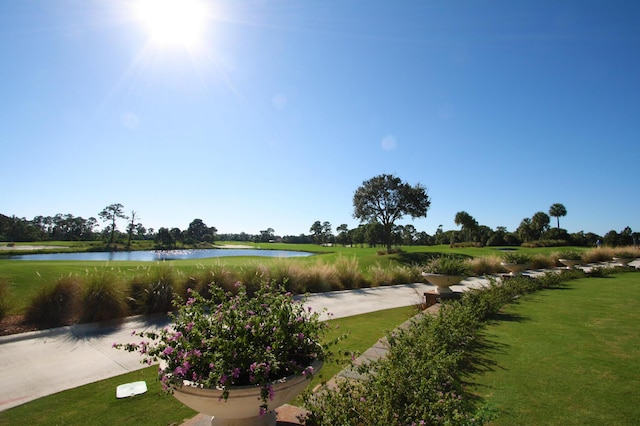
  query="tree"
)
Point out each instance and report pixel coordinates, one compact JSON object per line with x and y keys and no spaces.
{"x":111,"y":213}
{"x":343,"y":234}
{"x":386,"y":199}
{"x":163,"y":237}
{"x":131,"y":227}
{"x":469,"y":224}
{"x":197,"y":230}
{"x":539,"y":224}
{"x":316,"y":232}
{"x":556,"y":210}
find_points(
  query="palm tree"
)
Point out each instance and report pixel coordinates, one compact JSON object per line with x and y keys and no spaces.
{"x":557,"y":210}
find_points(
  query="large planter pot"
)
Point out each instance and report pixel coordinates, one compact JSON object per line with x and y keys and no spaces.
{"x":443,"y":282}
{"x":569,"y":263}
{"x":515,"y":268}
{"x":242,"y":407}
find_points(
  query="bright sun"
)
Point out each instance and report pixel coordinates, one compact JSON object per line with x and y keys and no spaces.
{"x":173,"y":22}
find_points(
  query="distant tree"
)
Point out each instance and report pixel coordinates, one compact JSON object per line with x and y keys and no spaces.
{"x":539,"y":224}
{"x":164,"y":238}
{"x":111,"y":213}
{"x":524,"y":231}
{"x":131,"y":227}
{"x":343,"y":236}
{"x":316,"y":232}
{"x":197,"y":230}
{"x":386,"y":199}
{"x":374,"y":234}
{"x":409,"y":234}
{"x":177,"y":236}
{"x":469,"y":224}
{"x":556,"y":210}
{"x":267,"y":235}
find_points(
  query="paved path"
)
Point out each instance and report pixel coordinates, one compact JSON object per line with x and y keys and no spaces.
{"x":40,"y":363}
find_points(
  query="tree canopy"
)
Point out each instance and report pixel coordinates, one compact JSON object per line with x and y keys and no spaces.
{"x":556,"y":210}
{"x":385,"y":199}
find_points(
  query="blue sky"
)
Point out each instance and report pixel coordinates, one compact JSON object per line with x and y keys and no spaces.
{"x":272,"y":113}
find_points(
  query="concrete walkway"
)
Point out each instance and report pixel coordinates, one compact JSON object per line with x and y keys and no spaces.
{"x":41,"y":363}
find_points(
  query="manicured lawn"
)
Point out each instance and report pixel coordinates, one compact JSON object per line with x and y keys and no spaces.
{"x":96,"y":404}
{"x":25,"y":278}
{"x":567,"y":356}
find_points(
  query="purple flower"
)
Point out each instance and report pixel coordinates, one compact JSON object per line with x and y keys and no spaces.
{"x":168,"y":350}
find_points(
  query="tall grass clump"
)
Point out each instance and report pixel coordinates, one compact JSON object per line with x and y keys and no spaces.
{"x":628,"y":252}
{"x":153,"y":291}
{"x":56,"y":304}
{"x":379,"y":276}
{"x":347,"y":270}
{"x":485,"y":265}
{"x":289,"y":275}
{"x":103,"y":297}
{"x":541,"y":261}
{"x":4,"y":297}
{"x":321,"y":277}
{"x":597,"y":255}
{"x":252,"y":276}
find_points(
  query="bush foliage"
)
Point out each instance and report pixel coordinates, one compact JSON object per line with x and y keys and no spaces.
{"x":421,"y":381}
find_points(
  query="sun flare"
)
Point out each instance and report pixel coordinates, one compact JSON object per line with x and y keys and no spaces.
{"x":173,"y":22}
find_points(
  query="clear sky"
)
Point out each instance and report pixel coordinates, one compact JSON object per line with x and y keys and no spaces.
{"x":270,"y":113}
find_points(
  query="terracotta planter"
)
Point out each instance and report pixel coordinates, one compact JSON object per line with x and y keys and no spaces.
{"x":515,"y":268}
{"x":443,"y":282}
{"x":569,"y":263}
{"x":242,"y":407}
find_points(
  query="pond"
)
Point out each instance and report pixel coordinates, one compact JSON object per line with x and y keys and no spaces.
{"x":157,"y":255}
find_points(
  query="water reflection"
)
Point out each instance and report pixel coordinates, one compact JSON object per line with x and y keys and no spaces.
{"x":157,"y":255}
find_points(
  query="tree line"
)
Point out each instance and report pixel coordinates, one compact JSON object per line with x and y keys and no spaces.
{"x":379,"y":203}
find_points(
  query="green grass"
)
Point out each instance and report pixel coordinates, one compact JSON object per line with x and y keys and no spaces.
{"x":27,"y":277}
{"x":567,"y":356}
{"x":96,"y":403}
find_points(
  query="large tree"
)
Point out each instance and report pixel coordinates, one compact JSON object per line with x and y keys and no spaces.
{"x":111,"y":213}
{"x":556,"y":210}
{"x":386,"y":199}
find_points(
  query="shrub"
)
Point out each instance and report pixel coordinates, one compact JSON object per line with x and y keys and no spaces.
{"x":422,"y":378}
{"x":103,"y":298}
{"x":57,"y":304}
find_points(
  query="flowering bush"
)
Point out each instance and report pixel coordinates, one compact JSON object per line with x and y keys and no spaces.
{"x":235,"y":339}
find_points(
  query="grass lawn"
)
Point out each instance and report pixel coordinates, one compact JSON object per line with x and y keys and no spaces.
{"x":25,"y":278}
{"x":567,"y":356}
{"x":96,"y":403}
